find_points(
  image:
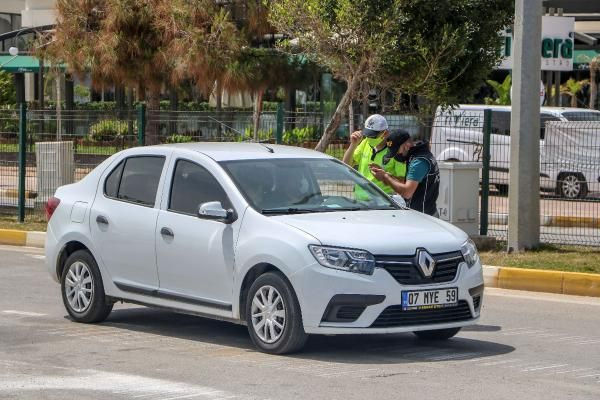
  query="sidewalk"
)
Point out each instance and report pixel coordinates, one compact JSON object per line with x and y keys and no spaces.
{"x":553,"y":212}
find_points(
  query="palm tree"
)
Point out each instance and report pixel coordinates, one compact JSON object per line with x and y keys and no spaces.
{"x":594,"y":67}
{"x":572,"y":89}
{"x":143,"y":43}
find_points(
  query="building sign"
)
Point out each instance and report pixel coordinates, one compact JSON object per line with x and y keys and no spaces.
{"x":557,"y":45}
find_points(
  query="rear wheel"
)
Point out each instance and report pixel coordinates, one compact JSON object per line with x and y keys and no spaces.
{"x":273,"y":315}
{"x":437,"y":334}
{"x":572,"y":185}
{"x":82,"y":289}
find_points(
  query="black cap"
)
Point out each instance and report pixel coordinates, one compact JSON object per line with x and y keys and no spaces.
{"x":396,"y":138}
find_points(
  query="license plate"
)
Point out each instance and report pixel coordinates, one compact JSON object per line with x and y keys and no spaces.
{"x":429,"y":299}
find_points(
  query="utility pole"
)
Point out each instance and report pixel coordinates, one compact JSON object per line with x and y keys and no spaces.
{"x":524,"y":189}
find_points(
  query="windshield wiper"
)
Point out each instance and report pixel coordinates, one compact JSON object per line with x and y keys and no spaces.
{"x":289,"y":210}
{"x":347,"y":209}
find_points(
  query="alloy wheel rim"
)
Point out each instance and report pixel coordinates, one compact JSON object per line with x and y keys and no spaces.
{"x":79,"y":287}
{"x":268,"y":314}
{"x":571,"y":186}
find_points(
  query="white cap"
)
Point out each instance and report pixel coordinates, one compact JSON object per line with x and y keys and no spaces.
{"x":374,"y":125}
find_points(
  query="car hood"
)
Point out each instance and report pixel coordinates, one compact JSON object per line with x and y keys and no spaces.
{"x":381,"y":232}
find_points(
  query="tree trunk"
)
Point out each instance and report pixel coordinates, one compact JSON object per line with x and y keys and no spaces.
{"x":58,"y":106}
{"x":152,"y":128}
{"x":593,"y":85}
{"x":351,"y":117}
{"x":258,"y":96}
{"x":219,"y":101}
{"x":574,"y":100}
{"x":365,"y":100}
{"x":336,"y":118}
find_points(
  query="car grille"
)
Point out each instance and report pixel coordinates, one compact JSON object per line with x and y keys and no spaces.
{"x":394,"y":316}
{"x":407,"y":272}
{"x":476,"y":302}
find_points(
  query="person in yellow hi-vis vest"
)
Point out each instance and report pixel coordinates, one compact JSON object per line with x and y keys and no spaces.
{"x":369,"y":147}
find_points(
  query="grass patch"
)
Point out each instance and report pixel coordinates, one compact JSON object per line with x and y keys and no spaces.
{"x":32,"y":223}
{"x":547,"y":256}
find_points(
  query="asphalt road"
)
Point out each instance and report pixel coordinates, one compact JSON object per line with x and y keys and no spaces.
{"x":527,"y":346}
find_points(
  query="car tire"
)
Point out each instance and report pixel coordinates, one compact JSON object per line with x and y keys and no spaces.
{"x":437,"y":334}
{"x":273,"y":315}
{"x":82,"y":289}
{"x":572,"y":185}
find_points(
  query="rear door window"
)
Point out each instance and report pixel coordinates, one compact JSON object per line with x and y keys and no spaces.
{"x":545,"y":117}
{"x":135,"y":180}
{"x":501,"y":123}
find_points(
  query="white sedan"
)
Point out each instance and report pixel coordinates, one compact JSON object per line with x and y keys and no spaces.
{"x":286,"y":240}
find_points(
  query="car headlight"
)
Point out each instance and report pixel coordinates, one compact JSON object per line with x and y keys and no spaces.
{"x":469,"y":252}
{"x":358,"y":261}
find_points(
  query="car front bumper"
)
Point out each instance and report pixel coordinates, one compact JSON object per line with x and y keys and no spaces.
{"x":317,"y":285}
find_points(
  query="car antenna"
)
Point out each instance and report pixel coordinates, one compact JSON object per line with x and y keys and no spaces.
{"x":269,"y":149}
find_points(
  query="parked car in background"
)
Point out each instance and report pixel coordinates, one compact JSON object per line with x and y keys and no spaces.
{"x":457,"y":135}
{"x":264,"y":235}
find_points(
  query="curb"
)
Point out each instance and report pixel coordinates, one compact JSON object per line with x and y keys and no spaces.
{"x":536,"y":280}
{"x":549,"y":220}
{"x":14,"y":193}
{"x":22,"y":238}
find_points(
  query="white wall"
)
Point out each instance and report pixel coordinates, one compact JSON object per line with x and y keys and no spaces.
{"x":12,"y":6}
{"x":38,"y":13}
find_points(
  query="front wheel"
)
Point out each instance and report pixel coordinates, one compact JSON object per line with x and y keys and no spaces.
{"x":572,"y":186}
{"x":82,"y":289}
{"x":273,"y":315}
{"x":437,"y":334}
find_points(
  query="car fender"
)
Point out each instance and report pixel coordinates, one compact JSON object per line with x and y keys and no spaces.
{"x":263,"y":240}
{"x":453,"y":153}
{"x":78,"y":235}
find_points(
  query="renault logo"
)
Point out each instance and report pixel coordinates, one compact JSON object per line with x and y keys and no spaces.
{"x":426,"y":263}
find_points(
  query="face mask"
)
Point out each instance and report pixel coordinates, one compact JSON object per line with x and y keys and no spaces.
{"x":373,"y":142}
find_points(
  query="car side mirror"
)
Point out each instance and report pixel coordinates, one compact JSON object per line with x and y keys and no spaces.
{"x":399,"y":200}
{"x":213,"y":210}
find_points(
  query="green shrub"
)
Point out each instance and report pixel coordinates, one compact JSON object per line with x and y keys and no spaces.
{"x":109,"y":129}
{"x":299,"y":135}
{"x":176,"y":138}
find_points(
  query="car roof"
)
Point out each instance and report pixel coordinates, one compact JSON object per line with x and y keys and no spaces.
{"x":227,"y":151}
{"x":556,"y":110}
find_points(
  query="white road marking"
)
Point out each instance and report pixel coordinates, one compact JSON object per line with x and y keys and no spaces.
{"x":569,"y":371}
{"x":23,"y":313}
{"x":587,"y":376}
{"x":589,"y":341}
{"x":37,"y":256}
{"x":492,"y":363}
{"x":101,"y":381}
{"x":557,"y":298}
{"x":547,"y":367}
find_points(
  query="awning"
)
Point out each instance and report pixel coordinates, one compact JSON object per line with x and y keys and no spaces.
{"x":584,"y":56}
{"x":20,"y":64}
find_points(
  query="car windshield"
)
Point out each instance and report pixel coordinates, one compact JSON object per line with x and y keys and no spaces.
{"x":293,"y":186}
{"x":582,"y":116}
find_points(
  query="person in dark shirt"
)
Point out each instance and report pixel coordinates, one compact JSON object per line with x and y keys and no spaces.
{"x":421,"y":187}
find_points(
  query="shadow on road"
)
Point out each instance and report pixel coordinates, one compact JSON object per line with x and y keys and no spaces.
{"x":355,"y":349}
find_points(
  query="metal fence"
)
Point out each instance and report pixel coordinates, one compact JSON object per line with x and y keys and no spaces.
{"x":569,"y":169}
{"x":569,"y":161}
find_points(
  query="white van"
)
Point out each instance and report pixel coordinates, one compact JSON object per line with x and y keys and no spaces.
{"x":457,"y":135}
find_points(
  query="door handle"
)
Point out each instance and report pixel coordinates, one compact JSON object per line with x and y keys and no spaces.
{"x":166,"y":232}
{"x":101,"y":220}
